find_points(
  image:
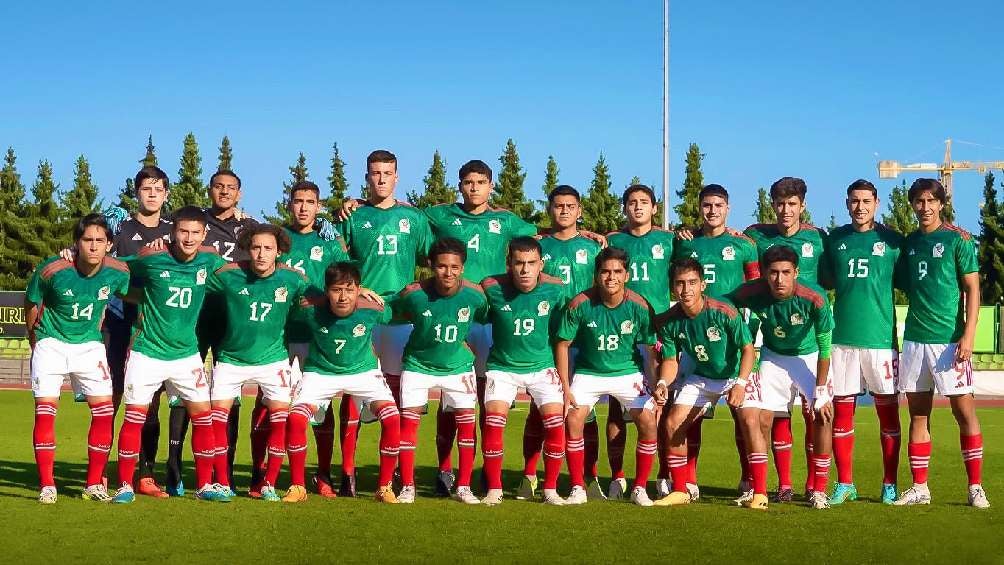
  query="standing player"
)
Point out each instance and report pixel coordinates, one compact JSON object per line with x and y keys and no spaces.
{"x":524,"y":306}
{"x":64,"y":305}
{"x":860,"y":263}
{"x":715,"y":337}
{"x":938,"y":269}
{"x":442,"y":309}
{"x":797,"y":327}
{"x":607,"y":324}
{"x":165,"y":347}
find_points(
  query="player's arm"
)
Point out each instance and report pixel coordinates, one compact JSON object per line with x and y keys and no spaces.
{"x":970,"y":286}
{"x":747,"y":358}
{"x":646,"y":338}
{"x":751,"y":263}
{"x":669,"y":369}
{"x":561,"y":364}
{"x":823,"y":325}
{"x":30,"y":319}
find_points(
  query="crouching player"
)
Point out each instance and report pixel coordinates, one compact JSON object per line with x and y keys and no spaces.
{"x":524,"y":305}
{"x":341,"y":360}
{"x":607,"y":324}
{"x":65,"y":304}
{"x":716,"y":337}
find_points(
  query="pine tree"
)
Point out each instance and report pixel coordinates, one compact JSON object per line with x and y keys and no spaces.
{"x":13,"y":276}
{"x":189,"y":190}
{"x":509,"y":188}
{"x":601,"y":210}
{"x":764,"y":212}
{"x":44,"y":240}
{"x":78,"y":201}
{"x":991,"y":248}
{"x":437,"y":189}
{"x":806,"y":217}
{"x":297,"y":173}
{"x":543,"y":220}
{"x":339,"y":185}
{"x":127,"y":194}
{"x":833,"y":224}
{"x":689,"y":208}
{"x":900,"y":217}
{"x":226,"y":157}
{"x":150,"y":159}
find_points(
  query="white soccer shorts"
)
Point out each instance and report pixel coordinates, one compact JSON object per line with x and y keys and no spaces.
{"x":388,"y":343}
{"x":925,"y":367}
{"x":459,"y":391}
{"x":185,"y":378}
{"x":479,"y":337}
{"x":85,"y":363}
{"x":695,"y":390}
{"x":779,"y":379}
{"x":274,"y":379}
{"x":629,"y":390}
{"x":856,"y":369}
{"x":318,"y":389}
{"x":544,"y":387}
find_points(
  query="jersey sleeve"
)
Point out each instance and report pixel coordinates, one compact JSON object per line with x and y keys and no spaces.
{"x":214,"y":285}
{"x":397,"y":307}
{"x":739,"y":331}
{"x":36,"y":286}
{"x":339,"y":250}
{"x":665,"y":335}
{"x":122,"y":284}
{"x":965,"y":257}
{"x":481,"y":312}
{"x":751,"y":263}
{"x":823,"y":317}
{"x":523,"y":228}
{"x":425,"y":241}
{"x":569,"y":325}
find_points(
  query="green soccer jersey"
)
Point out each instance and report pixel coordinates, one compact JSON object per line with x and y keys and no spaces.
{"x":861,"y":266}
{"x":257,"y":311}
{"x":173,"y":293}
{"x":714,"y":338}
{"x":486,"y":236}
{"x":932,"y":266}
{"x":72,"y":306}
{"x":310,"y":255}
{"x":522,"y":323}
{"x":606,"y":339}
{"x":649,"y":256}
{"x":790,"y":326}
{"x":387,"y":244}
{"x":437,"y":345}
{"x":807,"y":243}
{"x":728,"y":260}
{"x":571,"y":260}
{"x":342,"y":346}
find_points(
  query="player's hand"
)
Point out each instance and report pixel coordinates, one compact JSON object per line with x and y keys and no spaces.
{"x":157,"y":245}
{"x":570,"y":403}
{"x":826,"y":412}
{"x":69,"y":254}
{"x":367,"y":293}
{"x":737,"y":394}
{"x":660,"y":394}
{"x":348,"y":208}
{"x":964,"y":350}
{"x":594,"y":236}
{"x":685,"y":234}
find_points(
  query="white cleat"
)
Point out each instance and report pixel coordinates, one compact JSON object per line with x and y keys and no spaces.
{"x":618,"y":489}
{"x":978,"y":497}
{"x":663,"y":488}
{"x":819,"y":500}
{"x":97,"y":493}
{"x":594,"y":491}
{"x":465,"y":495}
{"x":577,"y":496}
{"x":744,"y":498}
{"x":694,"y":491}
{"x":917,"y":494}
{"x":47,"y":496}
{"x":640,"y":497}
{"x":552,"y":497}
{"x":407,"y":495}
{"x":493,"y":497}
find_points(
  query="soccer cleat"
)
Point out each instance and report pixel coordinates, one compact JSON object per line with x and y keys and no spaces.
{"x":47,"y":496}
{"x":147,"y":486}
{"x":978,"y":497}
{"x":888,"y":493}
{"x":268,"y":493}
{"x":466,"y":495}
{"x":784,"y":495}
{"x":444,"y":483}
{"x":296,"y":493}
{"x":322,"y":485}
{"x":594,"y":491}
{"x":674,"y":498}
{"x":744,"y":486}
{"x":226,"y":491}
{"x":756,"y":502}
{"x":917,"y":494}
{"x":176,"y":490}
{"x":348,"y":486}
{"x":527,"y":488}
{"x":618,"y":488}
{"x":808,"y":494}
{"x":493,"y":497}
{"x":211,"y":493}
{"x":97,"y":493}
{"x":124,"y":495}
{"x":745,"y":498}
{"x":552,"y":497}
{"x":694,"y":491}
{"x":640,"y":497}
{"x":407,"y":495}
{"x":819,"y":500}
{"x":577,"y":496}
{"x":385,"y":494}
{"x":662,"y":488}
{"x":842,"y":493}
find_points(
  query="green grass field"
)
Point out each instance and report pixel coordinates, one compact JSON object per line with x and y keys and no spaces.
{"x":359,"y":530}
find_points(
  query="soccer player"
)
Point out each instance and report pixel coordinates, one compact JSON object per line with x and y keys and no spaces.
{"x":797,"y":327}
{"x":165,"y":347}
{"x":650,"y":249}
{"x":715,"y":336}
{"x":524,"y":306}
{"x":940,"y":274}
{"x":787,"y":197}
{"x":64,"y":305}
{"x":442,"y":310}
{"x":607,"y":324}
{"x":860,"y":263}
{"x":342,"y":360}
{"x":258,"y":296}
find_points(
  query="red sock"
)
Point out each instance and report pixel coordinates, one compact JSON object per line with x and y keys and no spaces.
{"x":693,"y":449}
{"x":676,"y":460}
{"x":348,"y":416}
{"x":44,"y":437}
{"x":972,"y":456}
{"x":324,"y":442}
{"x":810,"y":477}
{"x":409,"y":435}
{"x":591,"y":445}
{"x":533,"y":438}
{"x":492,"y":448}
{"x":888,"y":415}
{"x":554,"y":449}
{"x":466,"y":442}
{"x":446,"y":431}
{"x":821,"y":464}
{"x":203,"y":448}
{"x":296,"y":442}
{"x":129,"y":440}
{"x":744,"y":461}
{"x":276,"y":444}
{"x":843,"y":437}
{"x":575,"y":455}
{"x":758,"y":471}
{"x":99,"y":441}
{"x":781,"y":447}
{"x":259,"y":438}
{"x":390,"y":441}
{"x":644,"y":455}
{"x":221,"y":466}
{"x":920,"y":458}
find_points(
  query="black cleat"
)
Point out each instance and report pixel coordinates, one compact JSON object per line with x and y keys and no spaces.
{"x":444,"y":483}
{"x":348,"y":486}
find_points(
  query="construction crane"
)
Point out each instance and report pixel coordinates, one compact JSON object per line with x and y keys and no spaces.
{"x":892,"y":169}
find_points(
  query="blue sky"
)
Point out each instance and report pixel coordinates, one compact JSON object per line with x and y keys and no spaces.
{"x":811,"y":89}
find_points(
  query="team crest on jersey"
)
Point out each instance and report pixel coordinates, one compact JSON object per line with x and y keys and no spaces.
{"x":939,"y":250}
{"x":280,"y":294}
{"x":658,"y":252}
{"x":796,"y":319}
{"x":104,"y":292}
{"x":359,"y":330}
{"x":494,"y":226}
{"x":807,"y":250}
{"x":627,"y":326}
{"x":779,"y":332}
{"x":316,"y":253}
{"x":729,"y":253}
{"x":580,"y":257}
{"x":714,"y":334}
{"x":464,"y":314}
{"x":200,"y":277}
{"x":543,"y":308}
{"x":404,"y":226}
{"x":878,"y":249}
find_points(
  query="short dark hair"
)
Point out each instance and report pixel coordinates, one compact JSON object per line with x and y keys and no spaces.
{"x":786,"y":187}
{"x":380,"y":156}
{"x":683,"y":265}
{"x":447,"y":245}
{"x":282,"y":240}
{"x":524,"y":244}
{"x":304,"y":185}
{"x":225,"y":173}
{"x":475,"y":166}
{"x":563,"y":190}
{"x":151,"y":172}
{"x":713,"y":190}
{"x":778,"y":253}
{"x":189,"y":214}
{"x":342,"y":272}
{"x":862,"y":184}
{"x":91,"y":220}
{"x":933,"y":186}
{"x":638,"y":188}
{"x":610,"y":254}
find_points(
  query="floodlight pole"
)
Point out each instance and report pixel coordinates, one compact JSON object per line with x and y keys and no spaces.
{"x":665,"y":114}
